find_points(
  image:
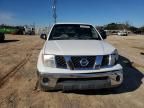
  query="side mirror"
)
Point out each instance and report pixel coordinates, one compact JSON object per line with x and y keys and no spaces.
{"x":103,"y":34}
{"x":43,"y":36}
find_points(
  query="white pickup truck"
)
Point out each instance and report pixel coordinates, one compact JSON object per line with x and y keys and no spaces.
{"x":75,"y":57}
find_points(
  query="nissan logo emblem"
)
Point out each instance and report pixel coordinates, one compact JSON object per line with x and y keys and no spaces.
{"x":84,"y":62}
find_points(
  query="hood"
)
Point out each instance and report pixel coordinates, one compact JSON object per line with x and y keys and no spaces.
{"x":78,"y":47}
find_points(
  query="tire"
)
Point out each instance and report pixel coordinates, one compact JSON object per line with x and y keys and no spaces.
{"x":2,"y":37}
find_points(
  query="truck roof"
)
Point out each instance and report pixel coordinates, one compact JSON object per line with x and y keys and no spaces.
{"x":73,"y":23}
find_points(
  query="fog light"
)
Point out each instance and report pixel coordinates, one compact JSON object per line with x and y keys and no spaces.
{"x":45,"y":80}
{"x":117,"y":78}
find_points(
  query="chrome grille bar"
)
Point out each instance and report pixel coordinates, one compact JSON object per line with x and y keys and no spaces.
{"x":69,"y":62}
{"x":98,"y":61}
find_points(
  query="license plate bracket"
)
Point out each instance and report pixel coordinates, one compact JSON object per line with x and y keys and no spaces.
{"x":82,"y":85}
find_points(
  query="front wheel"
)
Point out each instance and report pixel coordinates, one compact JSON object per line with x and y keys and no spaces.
{"x":2,"y":38}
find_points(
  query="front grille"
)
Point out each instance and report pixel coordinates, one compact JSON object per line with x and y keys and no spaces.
{"x":73,"y":62}
{"x":77,"y":65}
{"x":60,"y":62}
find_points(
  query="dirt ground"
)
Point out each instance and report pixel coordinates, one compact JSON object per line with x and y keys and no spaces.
{"x":18,"y":88}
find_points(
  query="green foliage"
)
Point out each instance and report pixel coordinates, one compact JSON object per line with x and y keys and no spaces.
{"x":126,"y":26}
{"x":115,"y":26}
{"x":141,"y":29}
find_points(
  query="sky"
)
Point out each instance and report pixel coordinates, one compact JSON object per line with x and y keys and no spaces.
{"x":96,"y":12}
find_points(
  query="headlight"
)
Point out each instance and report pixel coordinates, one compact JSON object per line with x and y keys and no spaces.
{"x":49,"y":60}
{"x":113,"y":58}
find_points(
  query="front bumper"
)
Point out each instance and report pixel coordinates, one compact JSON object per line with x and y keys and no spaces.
{"x":79,"y":79}
{"x":72,"y":81}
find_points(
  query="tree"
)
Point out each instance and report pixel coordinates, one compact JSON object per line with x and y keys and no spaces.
{"x":141,"y":29}
{"x":111,"y":26}
{"x":116,"y":26}
{"x":133,"y":29}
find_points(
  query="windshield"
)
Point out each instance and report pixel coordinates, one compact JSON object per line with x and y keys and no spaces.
{"x":74,"y":32}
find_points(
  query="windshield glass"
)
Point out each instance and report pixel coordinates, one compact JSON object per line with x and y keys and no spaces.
{"x":74,"y":32}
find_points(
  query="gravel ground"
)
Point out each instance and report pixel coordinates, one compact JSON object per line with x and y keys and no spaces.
{"x":18,"y":88}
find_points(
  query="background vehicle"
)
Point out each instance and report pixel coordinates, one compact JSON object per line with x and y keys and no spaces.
{"x":29,"y":30}
{"x":2,"y":37}
{"x":122,"y":33}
